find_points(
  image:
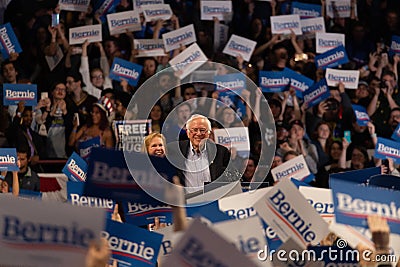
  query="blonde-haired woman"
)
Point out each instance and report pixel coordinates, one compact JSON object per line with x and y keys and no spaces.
{"x":155,"y":144}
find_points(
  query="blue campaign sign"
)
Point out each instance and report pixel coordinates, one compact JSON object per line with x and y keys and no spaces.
{"x":29,"y":194}
{"x":15,"y":93}
{"x":394,"y":46}
{"x":396,"y":134}
{"x":332,"y":58}
{"x":143,"y":214}
{"x":229,"y":87}
{"x":122,"y":69}
{"x":108,"y":176}
{"x":359,"y":176}
{"x":385,"y":180}
{"x":361,"y":115}
{"x":353,"y":203}
{"x":104,"y":7}
{"x":85,"y":147}
{"x":317,"y":93}
{"x":209,"y":211}
{"x":299,"y":183}
{"x":8,"y":159}
{"x":8,"y":41}
{"x":274,"y":81}
{"x":132,"y":246}
{"x":306,"y":11}
{"x":299,"y":82}
{"x":75,"y":168}
{"x":272,"y":238}
{"x":76,"y":198}
{"x":386,"y":148}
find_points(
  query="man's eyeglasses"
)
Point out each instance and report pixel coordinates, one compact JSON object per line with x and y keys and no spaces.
{"x":197,"y":130}
{"x":98,"y":77}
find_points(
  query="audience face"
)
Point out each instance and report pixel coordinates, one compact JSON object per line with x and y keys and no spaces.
{"x":110,"y":48}
{"x":250,"y":170}
{"x":389,"y":80}
{"x":9,"y":73}
{"x":96,"y":115}
{"x":156,"y":113}
{"x":197,"y":131}
{"x":60,"y":91}
{"x":149,"y":67}
{"x":120,"y":109}
{"x":183,"y":113}
{"x":297,"y":132}
{"x":362,"y":91}
{"x":357,"y":159}
{"x":228,"y":116}
{"x":97,"y":78}
{"x":156,"y":147}
{"x":336,"y":150}
{"x":336,"y":95}
{"x":323,"y":131}
{"x":394,"y":119}
{"x":190,"y":93}
{"x":72,"y":85}
{"x":23,"y":161}
{"x":27,"y":118}
{"x":3,"y":186}
{"x":276,"y":162}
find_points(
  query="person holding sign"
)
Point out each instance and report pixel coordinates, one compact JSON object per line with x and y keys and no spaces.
{"x":4,"y":185}
{"x":204,"y":160}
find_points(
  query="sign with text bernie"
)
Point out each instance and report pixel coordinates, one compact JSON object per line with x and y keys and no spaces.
{"x":218,"y":9}
{"x":79,"y":35}
{"x":15,"y":93}
{"x":284,"y":24}
{"x":386,"y":148}
{"x":316,"y":93}
{"x":240,"y":46}
{"x":306,"y":11}
{"x":149,"y":47}
{"x":8,"y":159}
{"x":124,"y":21}
{"x":310,"y":27}
{"x":123,"y":69}
{"x":180,"y":37}
{"x":348,"y":77}
{"x":353,"y":204}
{"x":339,"y":8}
{"x":8,"y":41}
{"x":74,"y":5}
{"x":361,"y":115}
{"x":188,"y":61}
{"x":274,"y":81}
{"x":332,"y":58}
{"x":328,"y":41}
{"x":75,"y":168}
{"x":295,"y":168}
{"x":156,"y":12}
{"x":54,"y":234}
{"x":395,"y":45}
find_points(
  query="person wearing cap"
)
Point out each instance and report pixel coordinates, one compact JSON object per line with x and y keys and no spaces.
{"x":282,"y":132}
{"x":97,"y":125}
{"x":363,"y":94}
{"x":296,"y":142}
{"x":82,"y":102}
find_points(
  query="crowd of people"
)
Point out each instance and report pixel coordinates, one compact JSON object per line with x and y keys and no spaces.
{"x":81,"y":102}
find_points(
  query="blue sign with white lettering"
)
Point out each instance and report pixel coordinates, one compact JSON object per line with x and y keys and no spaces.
{"x":131,"y":245}
{"x":75,"y":168}
{"x":85,"y":147}
{"x":210,"y":211}
{"x":396,"y":134}
{"x":29,"y":194}
{"x":317,"y":93}
{"x":143,"y":214}
{"x":229,"y":87}
{"x":353,"y":204}
{"x":394,"y":46}
{"x":274,"y":81}
{"x":385,"y":180}
{"x":15,"y":93}
{"x":332,"y":58}
{"x":8,"y":159}
{"x":298,"y":183}
{"x":299,"y":82}
{"x":108,"y":176}
{"x":386,"y":148}
{"x":104,"y":7}
{"x":125,"y":70}
{"x":306,"y":11}
{"x":358,"y":176}
{"x":76,"y":198}
{"x":361,"y":115}
{"x":8,"y":41}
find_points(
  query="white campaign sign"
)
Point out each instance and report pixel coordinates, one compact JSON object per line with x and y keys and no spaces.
{"x":188,"y":61}
{"x":339,"y":8}
{"x":240,"y":46}
{"x":149,"y":47}
{"x":91,"y":33}
{"x":169,"y":241}
{"x":286,"y":210}
{"x":122,"y":21}
{"x":156,"y":12}
{"x":237,"y":137}
{"x":247,"y":235}
{"x":182,"y":36}
{"x":284,"y":23}
{"x":74,"y":5}
{"x":54,"y":234}
{"x":295,"y":168}
{"x":328,"y":41}
{"x":312,"y":26}
{"x":321,"y":200}
{"x":200,"y":244}
{"x":348,"y":77}
{"x":140,"y":3}
{"x":211,"y":9}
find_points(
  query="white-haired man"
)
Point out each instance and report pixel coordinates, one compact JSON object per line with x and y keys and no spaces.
{"x":204,"y":161}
